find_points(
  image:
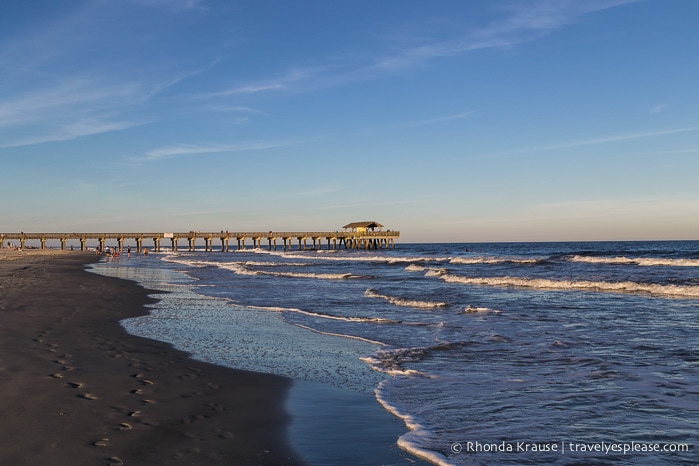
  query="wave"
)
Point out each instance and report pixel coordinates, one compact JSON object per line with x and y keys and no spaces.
{"x":542,"y":283}
{"x":403,"y":301}
{"x":411,"y":442}
{"x":277,"y":264}
{"x":390,"y":361}
{"x":374,"y":320}
{"x":321,"y":276}
{"x":342,"y":256}
{"x":480,"y":310}
{"x":642,"y":261}
{"x":415,"y":268}
{"x":432,"y":272}
{"x":492,"y":260}
{"x":341,"y":335}
{"x":241,"y":269}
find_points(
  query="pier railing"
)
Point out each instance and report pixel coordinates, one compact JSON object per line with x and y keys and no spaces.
{"x":335,"y":239}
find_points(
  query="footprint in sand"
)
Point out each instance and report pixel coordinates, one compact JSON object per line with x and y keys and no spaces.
{"x":134,"y":413}
{"x":101,"y":443}
{"x":125,"y":426}
{"x":88,"y":396}
{"x":225,"y":434}
{"x":57,"y":375}
{"x":76,"y":384}
{"x":115,"y":460}
{"x":216,"y":406}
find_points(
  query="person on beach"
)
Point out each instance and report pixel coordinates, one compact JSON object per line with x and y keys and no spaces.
{"x":128,"y":251}
{"x":145,"y":251}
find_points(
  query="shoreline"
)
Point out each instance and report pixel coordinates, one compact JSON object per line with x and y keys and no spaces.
{"x":77,"y":389}
{"x":329,"y":424}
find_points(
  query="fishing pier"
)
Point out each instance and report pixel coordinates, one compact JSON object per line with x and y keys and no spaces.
{"x":358,"y":235}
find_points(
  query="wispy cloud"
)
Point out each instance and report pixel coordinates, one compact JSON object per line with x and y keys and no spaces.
{"x":595,"y":141}
{"x":657,"y":109}
{"x":251,"y":89}
{"x":523,"y":22}
{"x":175,"y":5}
{"x":72,"y":131}
{"x":232,"y":108}
{"x":292,"y":79}
{"x":179,"y":150}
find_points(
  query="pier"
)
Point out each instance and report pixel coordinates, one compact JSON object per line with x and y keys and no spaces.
{"x":358,"y":235}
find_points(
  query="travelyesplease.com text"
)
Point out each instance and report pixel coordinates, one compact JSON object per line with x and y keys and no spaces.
{"x":564,"y":447}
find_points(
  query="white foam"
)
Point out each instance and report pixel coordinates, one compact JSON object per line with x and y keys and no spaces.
{"x":277,"y":264}
{"x":241,"y":269}
{"x":411,"y":441}
{"x":321,"y":276}
{"x":379,"y":365}
{"x":353,"y":257}
{"x":480,"y":310}
{"x":542,"y":283}
{"x":642,"y":261}
{"x":403,"y":301}
{"x":375,"y":320}
{"x":341,"y":335}
{"x":491,"y":260}
{"x":414,"y":268}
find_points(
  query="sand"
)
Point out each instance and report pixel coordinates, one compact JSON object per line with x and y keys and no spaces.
{"x":76,"y":389}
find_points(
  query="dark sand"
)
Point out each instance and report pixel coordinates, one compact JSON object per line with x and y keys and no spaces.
{"x":76,"y":389}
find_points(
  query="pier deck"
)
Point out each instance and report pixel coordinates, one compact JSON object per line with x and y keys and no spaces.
{"x":335,"y":239}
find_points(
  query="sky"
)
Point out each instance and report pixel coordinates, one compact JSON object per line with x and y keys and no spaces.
{"x":450,"y":121}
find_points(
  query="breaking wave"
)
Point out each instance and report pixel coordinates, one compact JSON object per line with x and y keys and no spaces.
{"x":404,"y":301}
{"x":541,"y":283}
{"x":492,"y":260}
{"x":642,"y":261}
{"x":374,"y":320}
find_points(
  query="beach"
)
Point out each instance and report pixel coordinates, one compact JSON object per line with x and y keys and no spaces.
{"x":77,"y":389}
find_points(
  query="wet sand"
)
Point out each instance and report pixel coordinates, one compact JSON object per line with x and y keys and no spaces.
{"x":76,"y":389}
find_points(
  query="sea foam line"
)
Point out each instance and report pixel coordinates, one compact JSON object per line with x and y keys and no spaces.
{"x":339,"y":256}
{"x":410,"y":442}
{"x":619,"y":287}
{"x":403,"y":301}
{"x":642,"y":261}
{"x":341,"y":335}
{"x":491,"y":260}
{"x":374,"y":320}
{"x":241,"y":269}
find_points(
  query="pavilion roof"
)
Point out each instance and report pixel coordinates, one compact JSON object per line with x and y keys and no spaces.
{"x":371,"y":224}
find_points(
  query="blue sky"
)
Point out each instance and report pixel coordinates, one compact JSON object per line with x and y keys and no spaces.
{"x":451,"y":121}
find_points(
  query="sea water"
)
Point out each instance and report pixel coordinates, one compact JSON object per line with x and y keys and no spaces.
{"x":502,"y":353}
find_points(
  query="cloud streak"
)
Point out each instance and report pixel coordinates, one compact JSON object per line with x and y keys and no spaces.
{"x":73,"y":131}
{"x":180,"y":150}
{"x":521,"y":23}
{"x":595,"y":141}
{"x":525,"y":22}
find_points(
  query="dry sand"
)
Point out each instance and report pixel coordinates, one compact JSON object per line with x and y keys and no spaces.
{"x":76,"y":389}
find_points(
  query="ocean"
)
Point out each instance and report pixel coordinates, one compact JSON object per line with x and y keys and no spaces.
{"x":489,"y":353}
